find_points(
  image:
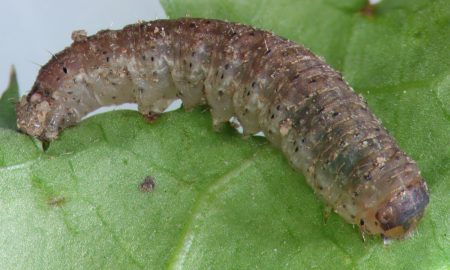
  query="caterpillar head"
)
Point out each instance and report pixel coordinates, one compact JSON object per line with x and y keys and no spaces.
{"x":41,"y":117}
{"x":398,"y":216}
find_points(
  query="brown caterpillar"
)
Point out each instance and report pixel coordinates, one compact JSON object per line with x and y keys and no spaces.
{"x":269,"y":83}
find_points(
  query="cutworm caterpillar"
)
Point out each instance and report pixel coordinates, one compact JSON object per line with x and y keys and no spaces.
{"x":270,"y":84}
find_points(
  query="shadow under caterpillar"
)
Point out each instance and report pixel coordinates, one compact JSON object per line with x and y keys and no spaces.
{"x":270,"y":84}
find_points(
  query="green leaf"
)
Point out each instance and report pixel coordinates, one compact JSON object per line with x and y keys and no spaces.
{"x":7,"y":103}
{"x":222,"y":202}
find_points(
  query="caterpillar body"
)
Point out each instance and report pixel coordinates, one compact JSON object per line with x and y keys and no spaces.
{"x":270,"y":84}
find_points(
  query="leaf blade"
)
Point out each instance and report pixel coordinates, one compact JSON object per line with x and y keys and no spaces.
{"x":8,"y":101}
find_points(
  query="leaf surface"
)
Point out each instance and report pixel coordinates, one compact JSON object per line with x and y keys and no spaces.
{"x":220,"y":201}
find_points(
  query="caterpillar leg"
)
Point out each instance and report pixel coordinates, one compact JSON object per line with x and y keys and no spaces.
{"x":326,"y":213}
{"x":151,"y":117}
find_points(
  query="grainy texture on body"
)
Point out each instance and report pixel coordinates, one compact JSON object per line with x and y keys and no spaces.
{"x":270,"y":84}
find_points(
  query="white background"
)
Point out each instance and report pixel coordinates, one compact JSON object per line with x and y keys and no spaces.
{"x":31,"y":30}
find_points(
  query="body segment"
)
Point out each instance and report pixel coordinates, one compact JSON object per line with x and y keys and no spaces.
{"x":270,"y":84}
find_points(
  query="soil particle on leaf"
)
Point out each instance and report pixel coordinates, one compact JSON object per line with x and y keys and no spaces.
{"x":57,"y":201}
{"x":148,"y":185}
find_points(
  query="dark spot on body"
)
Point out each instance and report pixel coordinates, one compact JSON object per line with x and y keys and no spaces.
{"x":148,"y":185}
{"x":367,"y":176}
{"x":227,"y":66}
{"x":113,"y":97}
{"x":152,"y":58}
{"x":361,"y":222}
{"x":296,"y":149}
{"x":221,"y":77}
{"x":107,"y":59}
{"x":65,"y":70}
{"x":253,"y":84}
{"x":272,"y":116}
{"x":190,"y":64}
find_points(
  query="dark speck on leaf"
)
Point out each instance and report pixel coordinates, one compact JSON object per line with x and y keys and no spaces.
{"x":148,"y":185}
{"x":57,"y":201}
